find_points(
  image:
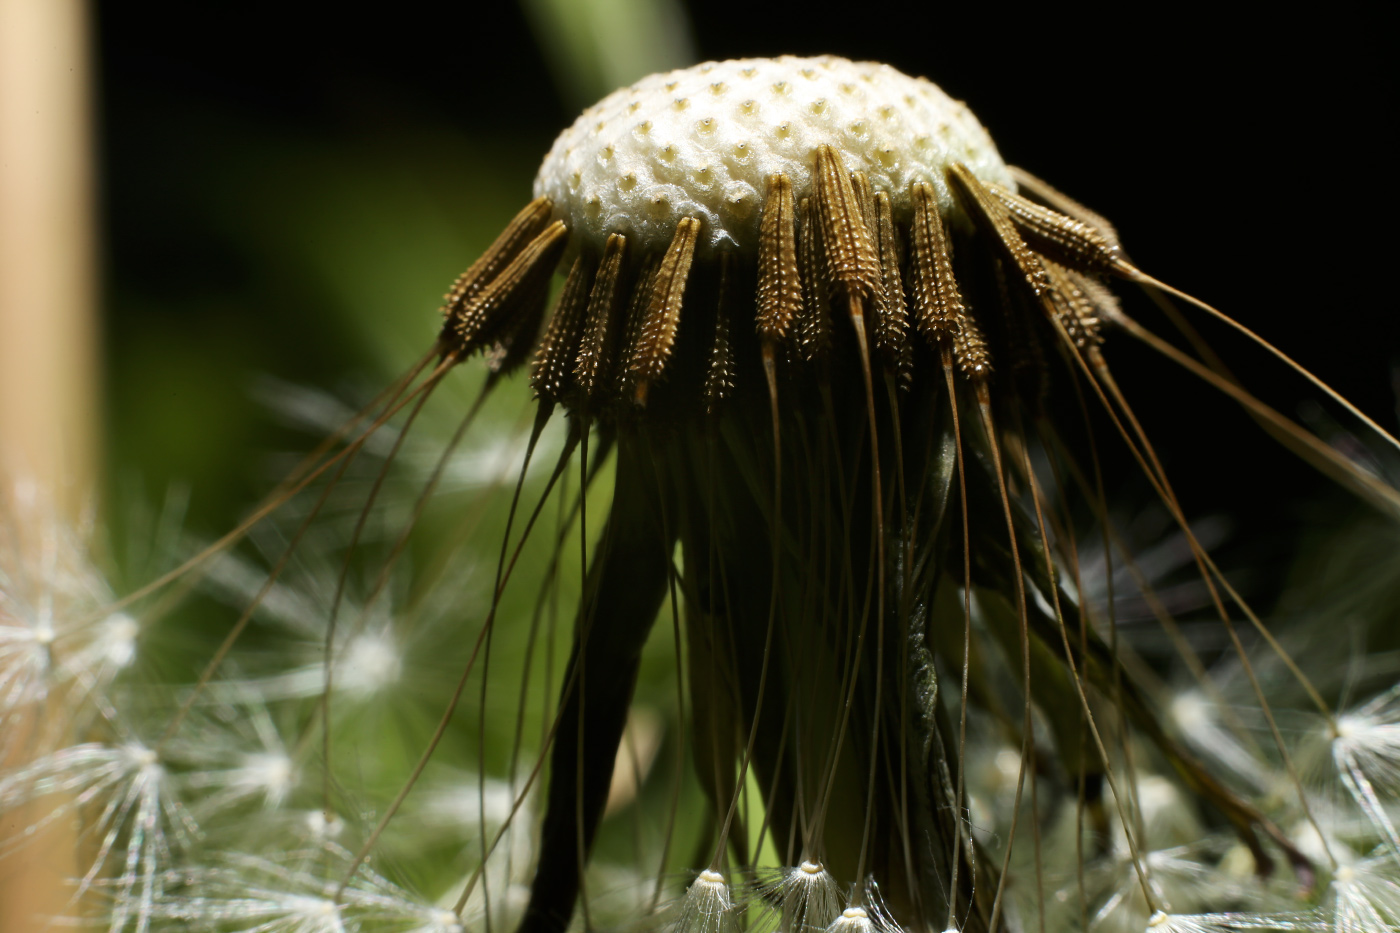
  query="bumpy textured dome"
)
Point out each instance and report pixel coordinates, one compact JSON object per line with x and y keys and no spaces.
{"x":702,"y":141}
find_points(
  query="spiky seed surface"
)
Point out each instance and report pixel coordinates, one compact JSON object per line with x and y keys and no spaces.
{"x":779,"y":286}
{"x":892,"y":320}
{"x":814,"y":330}
{"x":523,"y":228}
{"x":481,"y":318}
{"x":850,"y":253}
{"x":1105,"y":304}
{"x":1074,"y":308}
{"x":520,"y":322}
{"x":663,"y":314}
{"x":1050,"y":196}
{"x":594,"y":350}
{"x":720,"y":375}
{"x":702,"y":142}
{"x":554,"y":363}
{"x":632,"y":322}
{"x":970,"y":348}
{"x":938,"y":306}
{"x":1057,"y":236}
{"x":989,"y":212}
{"x":865,"y":197}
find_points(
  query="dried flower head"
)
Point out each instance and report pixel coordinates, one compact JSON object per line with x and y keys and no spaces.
{"x":834,"y":348}
{"x":829,"y":337}
{"x":846,"y":373}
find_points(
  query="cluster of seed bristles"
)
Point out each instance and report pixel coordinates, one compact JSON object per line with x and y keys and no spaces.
{"x":892,"y":327}
{"x":942,"y":316}
{"x":779,"y":283}
{"x":720,"y":376}
{"x":657,"y":335}
{"x":614,"y":329}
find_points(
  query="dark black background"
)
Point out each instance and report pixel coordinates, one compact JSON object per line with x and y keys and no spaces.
{"x":1242,"y":160}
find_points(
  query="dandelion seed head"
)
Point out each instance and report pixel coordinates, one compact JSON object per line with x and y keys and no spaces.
{"x":1365,"y":750}
{"x":852,"y":920}
{"x":707,"y":906}
{"x":25,"y":663}
{"x":1163,"y":922}
{"x":272,"y":773}
{"x":130,"y":814}
{"x":321,"y":825}
{"x":372,"y":661}
{"x":232,"y":754}
{"x":295,"y":914}
{"x":1364,"y":897}
{"x":1358,"y":732}
{"x":445,"y":920}
{"x":300,"y":891}
{"x":118,"y":638}
{"x":140,"y":757}
{"x":777,"y":112}
{"x":699,"y":143}
{"x":809,"y":896}
{"x":55,"y":642}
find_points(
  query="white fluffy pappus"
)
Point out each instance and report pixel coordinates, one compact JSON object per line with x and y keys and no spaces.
{"x":1366,"y":753}
{"x":298,"y":892}
{"x":130,"y":812}
{"x":56,"y":639}
{"x":708,"y":906}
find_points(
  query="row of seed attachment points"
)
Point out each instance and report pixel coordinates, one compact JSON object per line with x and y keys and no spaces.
{"x":614,"y":327}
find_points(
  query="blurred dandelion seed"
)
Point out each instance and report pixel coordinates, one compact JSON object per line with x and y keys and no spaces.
{"x":1364,"y":896}
{"x":1366,"y":752}
{"x":246,"y":894}
{"x":58,"y":647}
{"x":1162,"y":922}
{"x":129,"y":811}
{"x":235,"y":756}
{"x":708,"y":906}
